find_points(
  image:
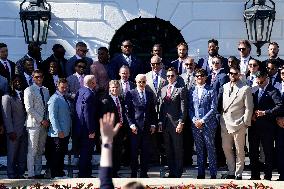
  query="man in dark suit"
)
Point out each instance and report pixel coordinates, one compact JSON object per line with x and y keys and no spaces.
{"x":273,"y":72}
{"x":172,"y":117}
{"x":34,"y":53}
{"x":81,"y":52}
{"x":125,"y":84}
{"x":126,"y":58}
{"x":142,"y":118}
{"x":273,"y":50}
{"x":51,"y":77}
{"x":58,"y":57}
{"x":178,"y":64}
{"x":28,"y":68}
{"x":14,"y":116}
{"x":86,"y":124}
{"x":206,"y":63}
{"x":114,"y":104}
{"x":7,"y":67}
{"x":267,"y":105}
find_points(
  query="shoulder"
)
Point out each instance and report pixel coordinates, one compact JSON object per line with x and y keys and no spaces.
{"x":72,"y":59}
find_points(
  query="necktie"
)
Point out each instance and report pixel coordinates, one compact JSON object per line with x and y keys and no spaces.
{"x":231,"y":90}
{"x":42,"y":96}
{"x":126,"y":85}
{"x":6,"y":66}
{"x":128,"y":59}
{"x":271,"y":80}
{"x":119,"y":112}
{"x":81,"y":80}
{"x":30,"y":80}
{"x":155,"y":81}
{"x":260,"y":93}
{"x":188,"y":81}
{"x":169,"y":92}
{"x":142,"y":98}
{"x":213,"y":77}
{"x":21,"y":95}
{"x":180,"y":67}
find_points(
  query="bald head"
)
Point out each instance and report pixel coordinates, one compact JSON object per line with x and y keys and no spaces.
{"x":156,"y":63}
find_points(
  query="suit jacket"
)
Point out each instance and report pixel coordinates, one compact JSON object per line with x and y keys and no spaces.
{"x":6,"y":73}
{"x":61,"y":65}
{"x":175,"y":64}
{"x":204,"y":108}
{"x":174,"y":110}
{"x":48,"y":82}
{"x":14,"y":114}
{"x":270,"y":102}
{"x":4,"y":87}
{"x":280,"y":62}
{"x":277,"y":79}
{"x":36,"y":110}
{"x":73,"y":86}
{"x":220,"y":79}
{"x":20,"y":65}
{"x":203,"y":63}
{"x":139,"y":114}
{"x":131,"y":86}
{"x":87,"y":113}
{"x":70,"y":65}
{"x":162,"y":82}
{"x":59,"y":115}
{"x":188,"y":84}
{"x":117,"y":61}
{"x":237,"y":108}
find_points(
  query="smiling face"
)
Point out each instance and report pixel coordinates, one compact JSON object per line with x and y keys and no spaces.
{"x":141,"y":82}
{"x":127,"y":48}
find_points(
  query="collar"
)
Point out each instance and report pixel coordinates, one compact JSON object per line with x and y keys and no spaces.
{"x":246,"y":59}
{"x":200,"y":86}
{"x":125,"y":56}
{"x":173,"y":85}
{"x":38,"y":87}
{"x":123,"y":81}
{"x":264,"y":87}
{"x":78,"y":57}
{"x":26,"y":75}
{"x":1,"y":60}
{"x":159,"y":73}
{"x":217,"y":71}
{"x":181,"y":59}
{"x":139,"y":91}
{"x":113,"y":97}
{"x":78,"y":75}
{"x":59,"y":93}
{"x":275,"y":75}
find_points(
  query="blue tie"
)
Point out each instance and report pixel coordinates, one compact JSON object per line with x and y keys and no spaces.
{"x":180,"y":67}
{"x":155,"y":82}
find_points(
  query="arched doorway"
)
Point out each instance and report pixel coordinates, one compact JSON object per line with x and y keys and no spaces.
{"x":144,"y":33}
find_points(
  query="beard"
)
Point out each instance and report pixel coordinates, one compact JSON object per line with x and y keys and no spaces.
{"x":213,"y":53}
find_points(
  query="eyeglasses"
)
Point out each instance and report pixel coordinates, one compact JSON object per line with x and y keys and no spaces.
{"x":253,"y":65}
{"x":142,"y":82}
{"x":38,"y":76}
{"x":127,"y":46}
{"x":214,"y":62}
{"x":170,"y":76}
{"x":242,"y":49}
{"x":201,"y":75}
{"x":187,"y":64}
{"x":270,"y":68}
{"x":156,"y":64}
{"x":233,"y":73}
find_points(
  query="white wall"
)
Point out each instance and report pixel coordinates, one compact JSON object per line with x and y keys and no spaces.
{"x":95,"y":23}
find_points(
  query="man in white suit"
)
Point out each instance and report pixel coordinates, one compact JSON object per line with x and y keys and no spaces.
{"x":35,"y":99}
{"x":237,"y":109}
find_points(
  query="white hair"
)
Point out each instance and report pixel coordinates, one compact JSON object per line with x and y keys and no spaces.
{"x":88,"y":79}
{"x":139,"y":76}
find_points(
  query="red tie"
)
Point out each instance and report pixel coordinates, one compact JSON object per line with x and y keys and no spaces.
{"x":169,"y":92}
{"x":119,"y":112}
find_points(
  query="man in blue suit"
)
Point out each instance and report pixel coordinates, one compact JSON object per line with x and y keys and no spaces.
{"x":126,"y":58}
{"x":178,"y":64}
{"x":86,"y":118}
{"x":59,"y":130}
{"x":81,"y":51}
{"x":142,"y":118}
{"x":203,"y":109}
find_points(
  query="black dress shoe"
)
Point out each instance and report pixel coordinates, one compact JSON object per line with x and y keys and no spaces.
{"x":41,"y":176}
{"x":133,"y":174}
{"x":238,"y":178}
{"x":254,"y":178}
{"x":213,"y":177}
{"x":200,"y":177}
{"x":228,"y":177}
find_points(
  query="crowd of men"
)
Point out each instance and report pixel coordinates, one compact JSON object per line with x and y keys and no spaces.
{"x":163,"y":108}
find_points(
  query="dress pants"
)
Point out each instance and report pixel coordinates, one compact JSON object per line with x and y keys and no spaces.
{"x":263,"y":134}
{"x":204,"y":139}
{"x":17,"y":156}
{"x":235,"y":166}
{"x":117,"y":151}
{"x":36,"y":147}
{"x":280,"y":152}
{"x":86,"y":146}
{"x":140,"y":141}
{"x":174,"y":151}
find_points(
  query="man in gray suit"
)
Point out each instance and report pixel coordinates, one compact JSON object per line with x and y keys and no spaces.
{"x":35,"y":99}
{"x":237,"y":109}
{"x":172,"y":117}
{"x":14,"y":117}
{"x":188,"y":77}
{"x":125,"y":84}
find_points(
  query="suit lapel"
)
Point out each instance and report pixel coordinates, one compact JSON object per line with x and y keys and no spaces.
{"x":232,"y":97}
{"x":203,"y":95}
{"x":174,"y":92}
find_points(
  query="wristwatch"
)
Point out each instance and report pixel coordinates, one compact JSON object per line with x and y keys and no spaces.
{"x":107,"y":145}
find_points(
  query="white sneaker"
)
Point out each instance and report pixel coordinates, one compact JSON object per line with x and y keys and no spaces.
{"x":75,"y":161}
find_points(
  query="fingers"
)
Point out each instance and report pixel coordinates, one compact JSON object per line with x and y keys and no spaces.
{"x":116,"y":128}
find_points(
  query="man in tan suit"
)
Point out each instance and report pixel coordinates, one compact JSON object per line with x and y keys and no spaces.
{"x":237,"y":109}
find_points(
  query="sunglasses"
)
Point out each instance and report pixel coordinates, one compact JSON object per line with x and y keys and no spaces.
{"x":242,"y":49}
{"x":233,"y":73}
{"x":188,"y":64}
{"x":270,"y":68}
{"x":127,"y":46}
{"x":253,"y":65}
{"x":199,"y":75}
{"x":260,"y":82}
{"x":170,"y":76}
{"x":156,"y":64}
{"x":215,"y":62}
{"x":38,"y":76}
{"x":142,"y":82}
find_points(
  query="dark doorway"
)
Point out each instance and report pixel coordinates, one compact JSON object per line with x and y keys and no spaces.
{"x":144,"y":33}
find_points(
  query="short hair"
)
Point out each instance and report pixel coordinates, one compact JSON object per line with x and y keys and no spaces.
{"x":218,"y":57}
{"x":62,"y":80}
{"x":114,"y":82}
{"x":275,"y":62}
{"x":246,"y":43}
{"x":126,"y":40}
{"x":27,"y":60}
{"x":88,"y":79}
{"x":235,"y":59}
{"x":124,"y":67}
{"x":2,"y":45}
{"x":257,"y":61}
{"x":213,"y":41}
{"x":57,"y":46}
{"x":261,"y":73}
{"x":172,"y":69}
{"x":201,"y":71}
{"x":134,"y":185}
{"x":37,"y":71}
{"x":140,"y":76}
{"x":80,"y":61}
{"x":157,"y":45}
{"x":32,"y":45}
{"x":236,"y":68}
{"x":81,"y":44}
{"x":274,"y":43}
{"x":103,"y":49}
{"x":156,"y":56}
{"x":182,"y":44}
